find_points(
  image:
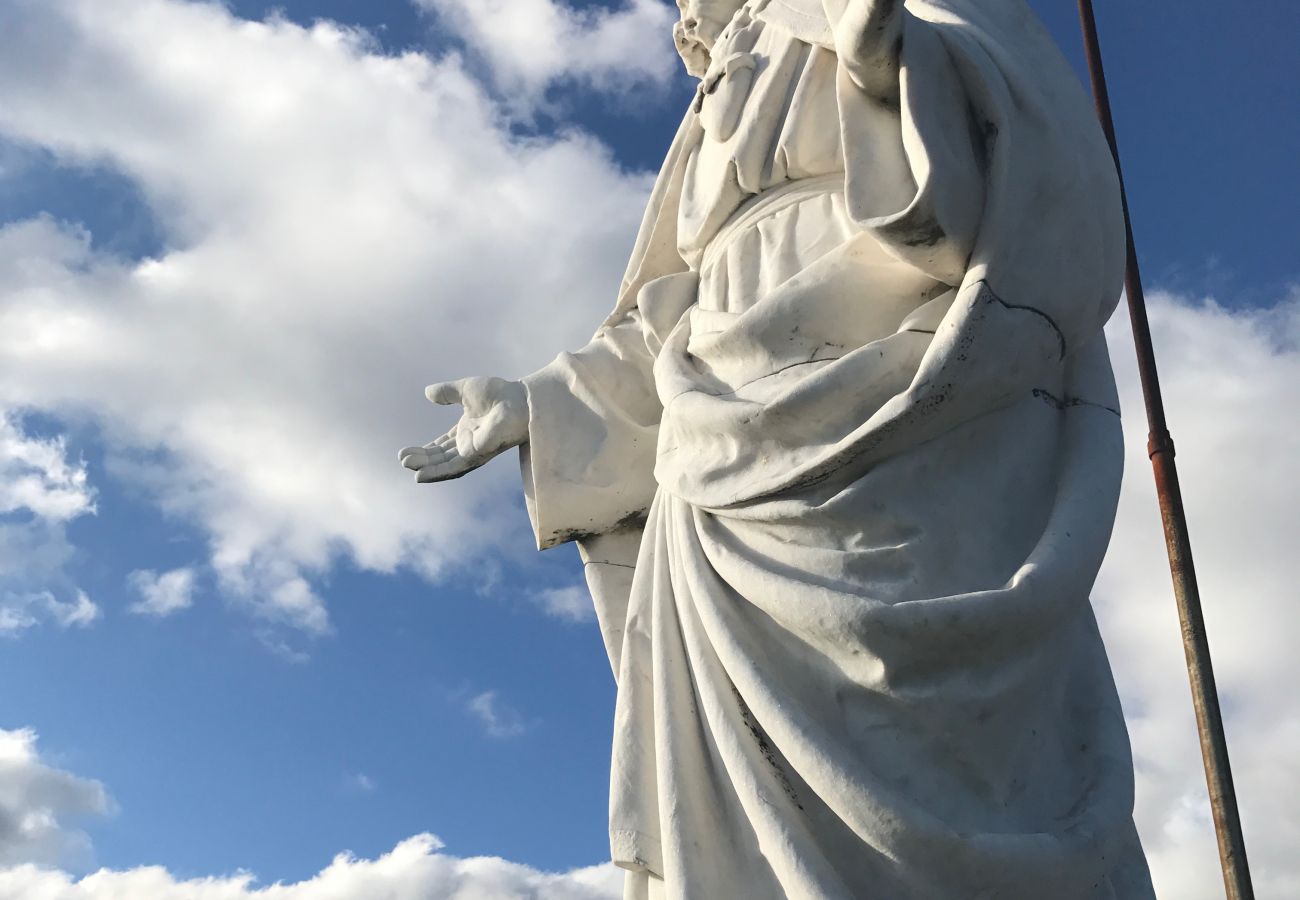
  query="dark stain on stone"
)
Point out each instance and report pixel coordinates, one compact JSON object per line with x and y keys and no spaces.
{"x":925,"y":233}
{"x":765,"y":747}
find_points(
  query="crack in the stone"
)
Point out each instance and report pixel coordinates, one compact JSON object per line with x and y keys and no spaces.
{"x":1066,"y":403}
{"x":1060,"y":336}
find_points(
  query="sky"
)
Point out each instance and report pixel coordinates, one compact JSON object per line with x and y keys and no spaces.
{"x":238,"y":647}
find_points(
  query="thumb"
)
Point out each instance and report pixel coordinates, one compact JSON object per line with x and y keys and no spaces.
{"x":444,"y":393}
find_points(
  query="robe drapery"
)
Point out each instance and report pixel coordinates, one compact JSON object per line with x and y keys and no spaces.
{"x":843,"y":464}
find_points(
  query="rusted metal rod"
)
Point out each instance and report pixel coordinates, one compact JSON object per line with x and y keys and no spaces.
{"x":1160,"y":448}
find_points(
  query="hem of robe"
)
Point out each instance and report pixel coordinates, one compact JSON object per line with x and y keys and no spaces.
{"x":636,"y":851}
{"x":608,"y":563}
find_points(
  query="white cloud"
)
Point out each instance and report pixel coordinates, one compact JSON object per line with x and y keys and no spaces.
{"x":37,"y":801}
{"x":530,"y":45}
{"x":162,"y":595}
{"x":35,"y":475}
{"x":79,"y":611}
{"x":413,"y":870}
{"x":572,"y":603}
{"x":341,"y":228}
{"x":34,"y":553}
{"x":359,"y":782}
{"x":498,"y":719}
{"x":41,"y":490}
{"x":19,"y":611}
{"x":1230,"y":381}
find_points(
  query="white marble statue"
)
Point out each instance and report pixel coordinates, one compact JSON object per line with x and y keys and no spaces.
{"x":842,"y":465}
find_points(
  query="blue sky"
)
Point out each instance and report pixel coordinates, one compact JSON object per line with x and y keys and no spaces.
{"x":235,"y":733}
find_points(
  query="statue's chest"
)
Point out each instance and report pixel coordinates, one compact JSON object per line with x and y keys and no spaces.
{"x":768,"y":115}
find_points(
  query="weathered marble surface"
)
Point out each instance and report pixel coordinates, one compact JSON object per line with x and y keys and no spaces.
{"x":843,"y":463}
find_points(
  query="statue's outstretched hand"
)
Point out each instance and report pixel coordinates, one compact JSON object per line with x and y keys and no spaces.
{"x":495,"y":419}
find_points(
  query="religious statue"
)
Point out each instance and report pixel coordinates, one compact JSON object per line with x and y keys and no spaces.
{"x":842,"y":465}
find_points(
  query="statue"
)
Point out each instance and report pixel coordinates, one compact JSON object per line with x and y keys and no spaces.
{"x":842,"y":465}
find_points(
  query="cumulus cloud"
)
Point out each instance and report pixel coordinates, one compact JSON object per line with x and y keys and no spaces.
{"x":41,"y":490}
{"x":340,"y":228}
{"x":529,"y":45}
{"x":498,"y":719}
{"x":413,"y":870}
{"x":37,"y":802}
{"x":161,"y":595}
{"x":1230,"y":379}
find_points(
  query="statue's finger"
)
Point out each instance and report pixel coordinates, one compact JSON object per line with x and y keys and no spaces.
{"x":442,"y":440}
{"x":443,"y":393}
{"x":416,"y":461}
{"x":451,"y":466}
{"x":424,"y":457}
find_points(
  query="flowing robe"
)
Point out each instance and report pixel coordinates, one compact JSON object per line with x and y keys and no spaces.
{"x":842,"y":465}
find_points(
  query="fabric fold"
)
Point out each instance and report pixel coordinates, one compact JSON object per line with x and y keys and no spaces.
{"x":587,"y":465}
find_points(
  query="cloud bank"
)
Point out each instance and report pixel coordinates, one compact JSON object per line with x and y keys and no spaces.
{"x":413,"y":870}
{"x":1229,"y":378}
{"x":341,"y":227}
{"x":38,"y":802}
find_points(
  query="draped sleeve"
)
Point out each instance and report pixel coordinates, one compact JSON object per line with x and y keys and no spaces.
{"x":588,"y":465}
{"x":997,"y":134}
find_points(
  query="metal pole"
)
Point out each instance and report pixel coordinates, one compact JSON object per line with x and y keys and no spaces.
{"x":1160,"y":448}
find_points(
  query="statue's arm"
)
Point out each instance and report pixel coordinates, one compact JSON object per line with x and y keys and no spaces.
{"x":868,"y":39}
{"x":586,"y":426}
{"x":593,"y":420}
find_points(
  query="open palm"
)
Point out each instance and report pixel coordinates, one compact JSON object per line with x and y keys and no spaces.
{"x":495,"y":418}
